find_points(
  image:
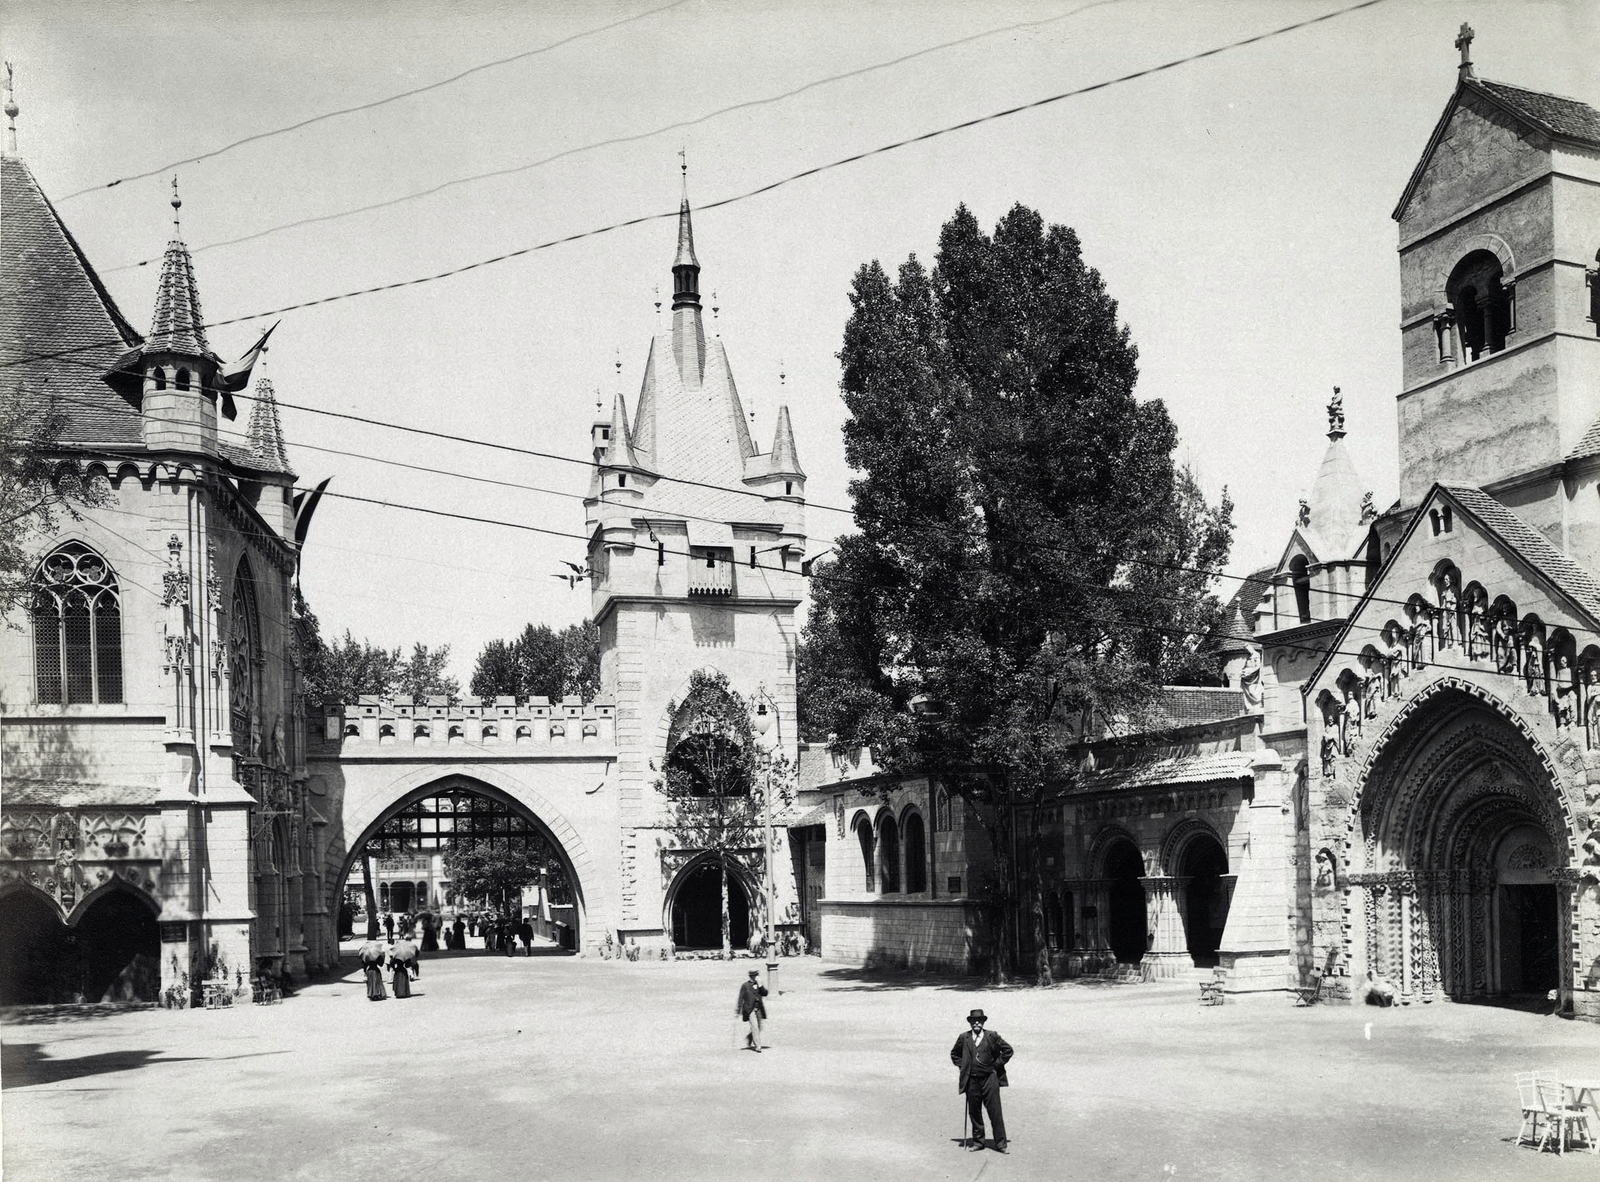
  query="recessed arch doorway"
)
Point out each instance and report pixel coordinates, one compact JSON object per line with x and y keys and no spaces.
{"x":110,"y":952}
{"x":1202,"y":867}
{"x":694,"y":907}
{"x":1128,"y":929}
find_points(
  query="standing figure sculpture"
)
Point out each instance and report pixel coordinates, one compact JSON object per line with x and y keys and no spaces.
{"x":1393,"y":655}
{"x":1372,"y":687}
{"x":1533,"y":663}
{"x":1329,"y":750}
{"x":1503,"y":646}
{"x":1566,"y":693}
{"x":1447,"y":611}
{"x":1415,"y":639}
{"x":1591,"y":709}
{"x":1477,"y":627}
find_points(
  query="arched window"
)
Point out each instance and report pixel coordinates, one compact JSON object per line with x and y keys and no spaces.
{"x":182,"y":380}
{"x":160,"y":375}
{"x":77,"y":628}
{"x":1484,"y":306}
{"x":244,"y":663}
{"x":864,"y":836}
{"x":941,"y":811}
{"x":1300,"y":575}
{"x":916,"y":854}
{"x":888,"y":856}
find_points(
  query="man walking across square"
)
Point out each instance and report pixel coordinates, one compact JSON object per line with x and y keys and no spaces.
{"x":982,"y":1056}
{"x":752,"y":1009}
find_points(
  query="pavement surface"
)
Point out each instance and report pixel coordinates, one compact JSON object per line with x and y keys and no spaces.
{"x":551,"y":1067}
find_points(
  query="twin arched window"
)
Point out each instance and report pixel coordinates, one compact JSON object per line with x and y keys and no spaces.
{"x":77,"y":628}
{"x":1482,"y":305}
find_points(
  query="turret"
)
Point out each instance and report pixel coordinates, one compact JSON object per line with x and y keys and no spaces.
{"x":176,"y":364}
{"x":688,"y":333}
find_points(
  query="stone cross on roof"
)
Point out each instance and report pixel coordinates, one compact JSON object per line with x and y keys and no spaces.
{"x":1464,"y":44}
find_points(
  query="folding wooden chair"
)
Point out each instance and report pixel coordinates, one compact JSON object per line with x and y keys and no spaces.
{"x":1311,"y":992}
{"x":1532,"y":1105}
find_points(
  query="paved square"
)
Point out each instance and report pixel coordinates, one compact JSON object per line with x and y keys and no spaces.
{"x":576,"y":1069}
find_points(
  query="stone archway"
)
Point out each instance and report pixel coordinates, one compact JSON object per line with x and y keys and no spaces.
{"x":1461,"y":843}
{"x":1201,"y":867}
{"x":694,"y":906}
{"x":108,"y":949}
{"x":1127,"y":929}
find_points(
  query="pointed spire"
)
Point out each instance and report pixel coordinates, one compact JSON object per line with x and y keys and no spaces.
{"x":177,"y":325}
{"x":620,"y":454}
{"x":785,"y":459}
{"x":12,"y":110}
{"x":265,"y":432}
{"x":685,"y":268}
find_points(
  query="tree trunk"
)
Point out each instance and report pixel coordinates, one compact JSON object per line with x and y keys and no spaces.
{"x":1041,"y":931}
{"x":372,"y":900}
{"x":727,"y":927}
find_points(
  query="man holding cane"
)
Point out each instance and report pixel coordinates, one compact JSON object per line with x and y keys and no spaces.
{"x":982,"y":1056}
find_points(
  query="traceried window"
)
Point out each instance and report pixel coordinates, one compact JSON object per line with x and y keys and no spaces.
{"x":77,"y":628}
{"x":244,"y":662}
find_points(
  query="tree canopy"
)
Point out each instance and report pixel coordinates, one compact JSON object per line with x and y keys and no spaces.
{"x":349,"y":668}
{"x":37,"y":486}
{"x":1028,"y":557}
{"x":541,"y":663}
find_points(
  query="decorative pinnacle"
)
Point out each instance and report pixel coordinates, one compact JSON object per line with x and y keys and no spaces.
{"x":1336,"y":415}
{"x":12,"y":111}
{"x":658,"y":300}
{"x":1464,"y":44}
{"x":177,"y":204}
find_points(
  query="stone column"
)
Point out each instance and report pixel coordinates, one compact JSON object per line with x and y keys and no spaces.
{"x":1168,"y":954}
{"x":1092,"y":897}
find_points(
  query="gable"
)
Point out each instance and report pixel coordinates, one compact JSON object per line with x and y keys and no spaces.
{"x":1489,"y":547}
{"x":1479,"y":148}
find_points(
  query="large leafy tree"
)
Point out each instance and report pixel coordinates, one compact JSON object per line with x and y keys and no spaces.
{"x":348,"y":668}
{"x":1029,"y":561}
{"x":541,"y":662}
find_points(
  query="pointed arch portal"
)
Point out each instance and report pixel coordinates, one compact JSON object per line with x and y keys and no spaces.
{"x":1464,"y":838}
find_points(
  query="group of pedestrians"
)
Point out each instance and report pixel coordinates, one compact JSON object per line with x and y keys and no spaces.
{"x":402,"y":961}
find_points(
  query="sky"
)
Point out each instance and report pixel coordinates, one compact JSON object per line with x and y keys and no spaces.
{"x":1237,"y":206}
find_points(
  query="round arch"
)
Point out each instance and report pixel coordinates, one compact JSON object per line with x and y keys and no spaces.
{"x":695,"y":880}
{"x":377,"y":807}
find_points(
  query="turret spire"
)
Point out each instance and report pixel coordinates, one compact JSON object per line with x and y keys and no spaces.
{"x":685,"y":268}
{"x":178,"y":325}
{"x":265,"y":432}
{"x":12,"y":111}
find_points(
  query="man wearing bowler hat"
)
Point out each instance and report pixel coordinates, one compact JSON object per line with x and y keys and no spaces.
{"x":752,"y":1010}
{"x":982,"y":1056}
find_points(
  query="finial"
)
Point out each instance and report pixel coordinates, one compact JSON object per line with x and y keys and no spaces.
{"x":599,"y":403}
{"x":683,"y":169}
{"x":1336,"y":415}
{"x":177,"y":203}
{"x":658,"y":301}
{"x":1464,"y":44}
{"x":11,"y":110}
{"x":781,"y":375}
{"x":714,"y":311}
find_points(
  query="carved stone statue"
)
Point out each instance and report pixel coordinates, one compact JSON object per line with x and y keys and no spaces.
{"x":1369,"y":511}
{"x":1591,"y":709}
{"x":1336,"y":412}
{"x":1393,"y":655}
{"x":1416,"y":638}
{"x":1533,"y":663}
{"x":1372,"y":689}
{"x":1329,"y":751}
{"x":1477,"y":628}
{"x":1303,"y":517}
{"x":1503,"y":645}
{"x":1566,"y":692}
{"x":1447,"y":612}
{"x":1250,"y":682}
{"x":1352,"y":720}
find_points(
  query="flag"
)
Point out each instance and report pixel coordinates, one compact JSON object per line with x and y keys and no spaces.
{"x":236,"y":377}
{"x":305,"y":504}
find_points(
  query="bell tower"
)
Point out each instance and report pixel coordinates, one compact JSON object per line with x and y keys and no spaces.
{"x":1498,"y":233}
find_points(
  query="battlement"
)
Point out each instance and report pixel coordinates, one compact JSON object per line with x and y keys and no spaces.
{"x":472,"y":722}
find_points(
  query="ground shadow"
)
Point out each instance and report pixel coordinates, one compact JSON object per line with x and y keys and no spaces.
{"x":857,"y":980}
{"x":51,"y":1015}
{"x":25,"y":1064}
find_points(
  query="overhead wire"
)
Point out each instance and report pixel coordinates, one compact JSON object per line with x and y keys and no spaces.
{"x":374,"y":103}
{"x":768,"y":187}
{"x":615,"y":141}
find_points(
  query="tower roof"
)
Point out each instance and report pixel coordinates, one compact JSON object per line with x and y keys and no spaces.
{"x":266,"y":433}
{"x":685,"y":237}
{"x":1335,"y":528}
{"x":785,"y":459}
{"x":620,"y":452}
{"x":177,"y":325}
{"x":56,"y":314}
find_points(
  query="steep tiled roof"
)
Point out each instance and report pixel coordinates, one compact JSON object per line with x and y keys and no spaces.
{"x":1168,"y":770}
{"x":1564,"y":117}
{"x":72,"y":794}
{"x":266,"y":433}
{"x":1236,"y":627}
{"x":1589,"y":445}
{"x":1191,"y":705}
{"x":1532,"y":546}
{"x":54,"y":308}
{"x":178,"y":324}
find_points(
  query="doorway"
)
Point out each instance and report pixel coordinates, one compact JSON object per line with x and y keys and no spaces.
{"x":1129,"y":930}
{"x":1205,"y":912}
{"x":1529,"y":947}
{"x":697,"y":909}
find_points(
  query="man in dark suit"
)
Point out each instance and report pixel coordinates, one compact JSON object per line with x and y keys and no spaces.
{"x":982,"y":1056}
{"x":752,"y":1009}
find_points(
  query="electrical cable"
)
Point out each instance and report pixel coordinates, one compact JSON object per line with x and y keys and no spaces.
{"x":615,"y":141}
{"x":770,"y":186}
{"x":367,"y":106}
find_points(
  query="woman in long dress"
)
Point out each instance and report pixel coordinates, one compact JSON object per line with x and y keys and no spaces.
{"x":403,"y":959}
{"x":372,"y":957}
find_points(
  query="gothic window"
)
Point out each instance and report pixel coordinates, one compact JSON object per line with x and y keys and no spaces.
{"x":182,"y":380}
{"x":1484,"y":306}
{"x":244,"y":661}
{"x":77,"y":628}
{"x":864,"y":837}
{"x":160,"y":376}
{"x":888,"y":856}
{"x":916,"y":843}
{"x":941,"y":811}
